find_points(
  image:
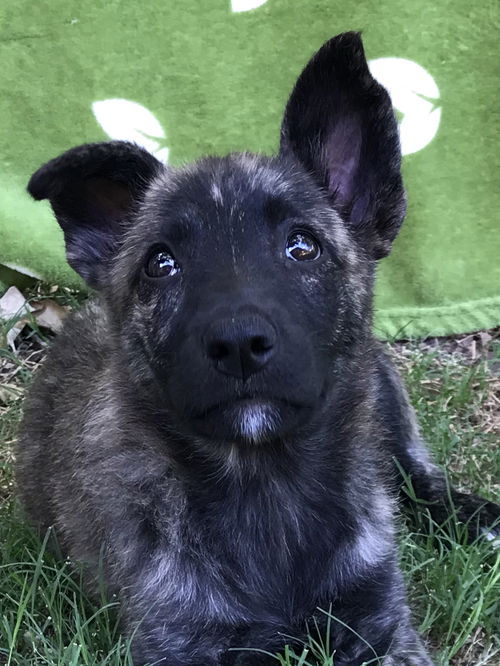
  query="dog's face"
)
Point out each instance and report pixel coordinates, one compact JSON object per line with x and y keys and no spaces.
{"x":237,"y":283}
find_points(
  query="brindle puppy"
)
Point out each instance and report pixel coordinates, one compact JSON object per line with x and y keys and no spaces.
{"x":219,"y":425}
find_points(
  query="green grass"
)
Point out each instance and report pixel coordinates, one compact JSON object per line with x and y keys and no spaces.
{"x":45,"y":618}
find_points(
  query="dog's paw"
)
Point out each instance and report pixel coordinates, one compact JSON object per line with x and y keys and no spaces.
{"x":479,"y":515}
{"x":489,"y":523}
{"x":492,"y":535}
{"x":248,"y":658}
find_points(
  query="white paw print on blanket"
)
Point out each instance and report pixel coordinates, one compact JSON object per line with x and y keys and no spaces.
{"x":246,"y":5}
{"x":125,"y":120}
{"x":414,"y":93}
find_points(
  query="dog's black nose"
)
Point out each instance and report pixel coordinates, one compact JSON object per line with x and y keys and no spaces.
{"x":240,"y":346}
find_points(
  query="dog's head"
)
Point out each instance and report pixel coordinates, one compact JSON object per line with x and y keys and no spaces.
{"x":236,"y":283}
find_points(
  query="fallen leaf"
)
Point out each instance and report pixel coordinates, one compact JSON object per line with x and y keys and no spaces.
{"x":13,"y":306}
{"x":49,"y":314}
{"x":485,"y":338}
{"x":14,"y":331}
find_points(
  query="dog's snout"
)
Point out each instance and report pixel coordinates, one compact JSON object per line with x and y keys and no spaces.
{"x":240,"y":346}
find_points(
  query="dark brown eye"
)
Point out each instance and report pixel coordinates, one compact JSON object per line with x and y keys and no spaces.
{"x":301,"y":246}
{"x":161,"y":263}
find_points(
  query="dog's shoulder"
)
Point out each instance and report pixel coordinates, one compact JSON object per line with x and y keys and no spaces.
{"x":85,"y":337}
{"x":82,"y":345}
{"x":76,"y":365}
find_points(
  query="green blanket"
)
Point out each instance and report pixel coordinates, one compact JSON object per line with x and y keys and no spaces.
{"x":192,"y":77}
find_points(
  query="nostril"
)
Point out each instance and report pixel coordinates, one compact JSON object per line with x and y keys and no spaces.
{"x":260,"y":345}
{"x":239,"y":346}
{"x":218,"y":350}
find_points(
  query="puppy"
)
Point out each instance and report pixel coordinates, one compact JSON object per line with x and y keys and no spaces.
{"x":216,"y":431}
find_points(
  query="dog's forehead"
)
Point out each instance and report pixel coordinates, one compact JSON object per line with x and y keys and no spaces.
{"x":226,"y":190}
{"x":244,"y":174}
{"x":242,"y":186}
{"x":225,"y":180}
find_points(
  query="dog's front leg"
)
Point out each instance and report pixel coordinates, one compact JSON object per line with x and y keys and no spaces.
{"x":176,"y":643}
{"x":258,"y":644}
{"x":168,"y":637}
{"x":407,"y":649}
{"x":429,"y":483}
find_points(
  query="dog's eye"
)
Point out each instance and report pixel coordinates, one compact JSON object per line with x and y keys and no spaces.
{"x":161,"y":263}
{"x":301,"y":246}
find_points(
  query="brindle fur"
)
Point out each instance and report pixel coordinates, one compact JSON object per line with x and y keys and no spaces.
{"x":225,"y":506}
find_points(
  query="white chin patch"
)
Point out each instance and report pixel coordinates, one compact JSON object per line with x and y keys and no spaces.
{"x":257,"y":422}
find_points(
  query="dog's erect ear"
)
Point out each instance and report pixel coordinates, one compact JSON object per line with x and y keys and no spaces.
{"x":340,"y":125}
{"x":92,"y":190}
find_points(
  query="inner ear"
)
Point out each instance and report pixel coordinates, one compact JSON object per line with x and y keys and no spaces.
{"x":341,"y":156}
{"x":340,"y":125}
{"x":112,"y":198}
{"x":96,"y":201}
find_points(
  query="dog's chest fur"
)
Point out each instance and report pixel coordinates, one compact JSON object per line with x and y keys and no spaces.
{"x":260,"y":552}
{"x":229,"y":544}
